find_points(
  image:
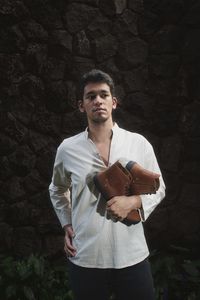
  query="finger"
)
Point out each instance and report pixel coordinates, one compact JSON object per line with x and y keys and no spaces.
{"x":68,"y":244}
{"x":70,"y":252}
{"x":110,"y":202}
{"x":117,"y":219}
{"x":70,"y":247}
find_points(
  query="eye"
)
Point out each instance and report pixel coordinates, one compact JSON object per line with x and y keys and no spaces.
{"x":104,"y":95}
{"x":91,"y":97}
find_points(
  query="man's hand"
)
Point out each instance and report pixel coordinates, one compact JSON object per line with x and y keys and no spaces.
{"x":68,"y":247}
{"x":120,"y":206}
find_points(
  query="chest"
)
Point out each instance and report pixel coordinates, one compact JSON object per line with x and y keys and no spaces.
{"x":104,"y":151}
{"x":86,"y":160}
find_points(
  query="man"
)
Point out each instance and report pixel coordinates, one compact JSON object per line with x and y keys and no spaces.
{"x":105,"y":255}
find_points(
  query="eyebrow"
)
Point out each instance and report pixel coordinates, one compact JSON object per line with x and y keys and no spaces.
{"x":96,"y":92}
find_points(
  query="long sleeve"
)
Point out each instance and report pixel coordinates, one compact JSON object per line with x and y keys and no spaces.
{"x":100,"y":242}
{"x":149,"y":202}
{"x":59,"y":190}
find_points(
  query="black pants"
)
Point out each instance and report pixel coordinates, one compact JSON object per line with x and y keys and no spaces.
{"x":131,"y":283}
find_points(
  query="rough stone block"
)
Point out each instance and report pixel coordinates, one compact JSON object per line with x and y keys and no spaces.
{"x":78,"y":16}
{"x":132,"y":53}
{"x":105,"y":47}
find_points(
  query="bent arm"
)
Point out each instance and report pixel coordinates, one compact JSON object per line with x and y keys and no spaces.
{"x":59,"y":190}
{"x":150,"y":202}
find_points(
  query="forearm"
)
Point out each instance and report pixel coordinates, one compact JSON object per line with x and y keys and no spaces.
{"x":150,"y":202}
{"x":61,"y":204}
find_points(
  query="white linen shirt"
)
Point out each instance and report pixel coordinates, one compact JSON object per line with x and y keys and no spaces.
{"x":100,"y":242}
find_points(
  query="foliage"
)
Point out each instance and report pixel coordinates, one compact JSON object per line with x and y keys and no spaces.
{"x":176,"y":275}
{"x":33,"y":278}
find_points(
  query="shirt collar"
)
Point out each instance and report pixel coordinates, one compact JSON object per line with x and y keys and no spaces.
{"x":114,"y":130}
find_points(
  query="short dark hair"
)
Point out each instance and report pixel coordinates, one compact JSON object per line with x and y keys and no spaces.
{"x":96,"y":76}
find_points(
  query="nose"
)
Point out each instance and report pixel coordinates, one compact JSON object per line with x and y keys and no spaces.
{"x":98,"y":100}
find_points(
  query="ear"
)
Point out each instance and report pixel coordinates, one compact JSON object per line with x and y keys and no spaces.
{"x":115,"y":102}
{"x":80,"y":105}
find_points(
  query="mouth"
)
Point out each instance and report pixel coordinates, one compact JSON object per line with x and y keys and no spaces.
{"x":99,"y":110}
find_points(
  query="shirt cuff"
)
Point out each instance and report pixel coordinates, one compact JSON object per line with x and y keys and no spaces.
{"x":141,"y":213}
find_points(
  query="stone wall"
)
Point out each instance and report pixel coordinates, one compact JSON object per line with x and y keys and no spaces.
{"x":151,"y":48}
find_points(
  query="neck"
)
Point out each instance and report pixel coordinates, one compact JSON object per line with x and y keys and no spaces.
{"x":100,"y":132}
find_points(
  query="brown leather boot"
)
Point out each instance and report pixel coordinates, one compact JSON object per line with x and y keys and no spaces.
{"x":132,"y":179}
{"x":143,"y":181}
{"x":113,"y":181}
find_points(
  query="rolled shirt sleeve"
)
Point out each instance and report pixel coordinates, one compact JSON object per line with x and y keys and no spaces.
{"x":149,"y":202}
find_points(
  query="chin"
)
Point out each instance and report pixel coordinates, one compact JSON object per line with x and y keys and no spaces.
{"x":100,"y":120}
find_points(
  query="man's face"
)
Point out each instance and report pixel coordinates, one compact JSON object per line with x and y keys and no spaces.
{"x":97,"y":102}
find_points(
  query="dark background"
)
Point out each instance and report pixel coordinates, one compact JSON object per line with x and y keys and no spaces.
{"x":152,"y":50}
